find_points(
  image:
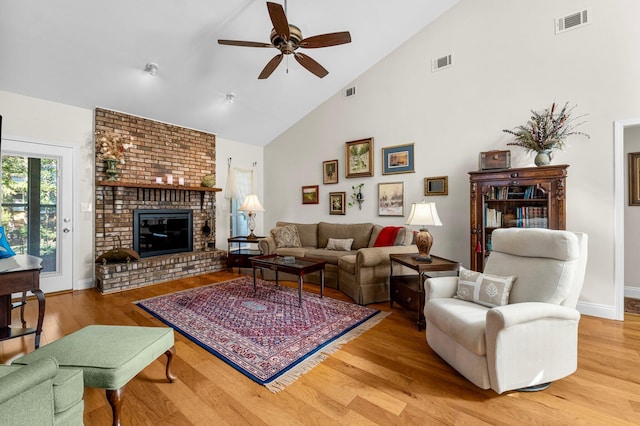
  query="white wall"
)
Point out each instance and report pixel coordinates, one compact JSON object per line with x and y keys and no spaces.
{"x":631,"y":221}
{"x":507,"y":61}
{"x":40,"y":120}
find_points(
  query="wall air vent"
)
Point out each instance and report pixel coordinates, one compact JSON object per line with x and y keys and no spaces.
{"x":349,"y":92}
{"x":575,"y":20}
{"x":441,"y":63}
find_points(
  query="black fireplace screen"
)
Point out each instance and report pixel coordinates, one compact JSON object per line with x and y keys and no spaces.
{"x":158,"y":232}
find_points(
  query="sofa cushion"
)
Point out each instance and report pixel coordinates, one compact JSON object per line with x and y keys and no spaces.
{"x":360,"y":232}
{"x":339,"y":244}
{"x":348,"y":263}
{"x":308,"y":233}
{"x":463,"y":321}
{"x":404,"y":237}
{"x":387,"y":236}
{"x":485,"y":289}
{"x":286,"y":236}
{"x":331,"y":256}
{"x":293,"y":251}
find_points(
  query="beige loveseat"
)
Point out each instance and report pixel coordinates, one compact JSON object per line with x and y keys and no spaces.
{"x":362,"y":272}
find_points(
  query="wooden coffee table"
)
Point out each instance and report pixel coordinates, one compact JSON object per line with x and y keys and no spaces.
{"x":300,"y":267}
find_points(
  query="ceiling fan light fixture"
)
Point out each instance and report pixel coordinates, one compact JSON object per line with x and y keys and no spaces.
{"x":151,"y":68}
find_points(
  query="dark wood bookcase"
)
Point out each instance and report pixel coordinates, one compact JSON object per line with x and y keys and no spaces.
{"x":531,"y":197}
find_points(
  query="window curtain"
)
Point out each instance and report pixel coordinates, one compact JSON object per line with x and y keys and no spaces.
{"x":239,"y":184}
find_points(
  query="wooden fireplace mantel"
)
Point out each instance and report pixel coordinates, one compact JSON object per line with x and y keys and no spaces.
{"x":166,"y":191}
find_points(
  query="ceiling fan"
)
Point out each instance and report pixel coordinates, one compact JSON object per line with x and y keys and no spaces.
{"x":287,"y":39}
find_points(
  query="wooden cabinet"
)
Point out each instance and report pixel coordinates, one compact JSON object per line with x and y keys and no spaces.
{"x":240,"y":251}
{"x":531,"y":197}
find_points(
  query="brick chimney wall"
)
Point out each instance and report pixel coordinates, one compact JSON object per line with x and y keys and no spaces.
{"x":158,"y":149}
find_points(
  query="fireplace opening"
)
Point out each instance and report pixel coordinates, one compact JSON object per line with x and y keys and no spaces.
{"x":157,"y":232}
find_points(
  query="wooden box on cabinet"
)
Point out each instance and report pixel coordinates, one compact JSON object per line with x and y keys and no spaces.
{"x":531,"y":197}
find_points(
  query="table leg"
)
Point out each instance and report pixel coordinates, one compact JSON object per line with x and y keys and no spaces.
{"x":41,"y":306}
{"x":321,"y":282}
{"x":276,"y":277}
{"x":390,"y":275}
{"x":23,"y":302}
{"x":300,"y":281}
{"x":254,"y":280}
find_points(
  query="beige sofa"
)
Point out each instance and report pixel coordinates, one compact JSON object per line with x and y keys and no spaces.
{"x":362,"y":272}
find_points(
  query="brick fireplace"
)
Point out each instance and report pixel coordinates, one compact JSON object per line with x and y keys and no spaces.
{"x":157,"y":150}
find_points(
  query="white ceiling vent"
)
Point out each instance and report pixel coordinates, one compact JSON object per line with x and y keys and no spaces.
{"x":575,"y":20}
{"x":349,"y":92}
{"x":441,"y":63}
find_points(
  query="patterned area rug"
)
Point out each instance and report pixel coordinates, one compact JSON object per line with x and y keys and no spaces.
{"x":264,"y":335}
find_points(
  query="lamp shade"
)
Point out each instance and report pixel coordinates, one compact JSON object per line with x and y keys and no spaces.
{"x":424,"y":214}
{"x":251,"y":204}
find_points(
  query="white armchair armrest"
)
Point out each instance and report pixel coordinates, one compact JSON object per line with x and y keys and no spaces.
{"x":530,"y":343}
{"x":440,"y":287}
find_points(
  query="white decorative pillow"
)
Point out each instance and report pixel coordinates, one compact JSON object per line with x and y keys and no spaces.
{"x":484,"y":289}
{"x":286,"y":236}
{"x":338,"y":244}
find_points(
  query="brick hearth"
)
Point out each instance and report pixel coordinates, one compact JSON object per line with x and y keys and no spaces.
{"x":158,"y":149}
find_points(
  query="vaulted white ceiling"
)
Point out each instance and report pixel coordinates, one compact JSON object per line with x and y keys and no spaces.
{"x":90,"y":53}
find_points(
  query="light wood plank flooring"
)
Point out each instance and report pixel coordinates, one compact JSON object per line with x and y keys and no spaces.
{"x":387,"y":376}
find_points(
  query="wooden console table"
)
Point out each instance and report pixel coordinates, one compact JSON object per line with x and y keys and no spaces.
{"x":22,"y":274}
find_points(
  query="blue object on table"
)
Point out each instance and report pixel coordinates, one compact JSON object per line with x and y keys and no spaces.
{"x":5,"y":249}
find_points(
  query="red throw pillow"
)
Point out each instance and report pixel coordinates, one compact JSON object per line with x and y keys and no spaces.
{"x":387,"y":236}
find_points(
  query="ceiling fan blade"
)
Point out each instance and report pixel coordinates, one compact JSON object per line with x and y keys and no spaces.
{"x":326,"y":40}
{"x":244,"y":43}
{"x":270,"y":67}
{"x":311,"y":64}
{"x":279,"y":19}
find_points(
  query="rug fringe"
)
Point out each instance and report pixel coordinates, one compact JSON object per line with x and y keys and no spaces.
{"x":305,"y":366}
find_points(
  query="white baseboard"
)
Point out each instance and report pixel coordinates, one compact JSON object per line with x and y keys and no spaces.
{"x":632,"y":292}
{"x":597,"y":310}
{"x":85,"y":284}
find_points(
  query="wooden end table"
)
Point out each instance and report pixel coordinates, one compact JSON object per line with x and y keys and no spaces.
{"x":301,"y":267}
{"x":237,"y":256}
{"x":408,"y":290}
{"x":23,"y":275}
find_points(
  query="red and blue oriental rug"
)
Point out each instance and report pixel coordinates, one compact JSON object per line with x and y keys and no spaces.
{"x":264,"y":335}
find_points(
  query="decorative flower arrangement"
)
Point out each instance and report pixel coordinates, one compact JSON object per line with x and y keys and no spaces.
{"x":547,"y":130}
{"x":111,"y":146}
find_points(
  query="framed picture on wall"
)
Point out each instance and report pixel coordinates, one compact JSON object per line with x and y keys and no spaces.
{"x":397,"y":159}
{"x":310,"y":194}
{"x":330,"y":172}
{"x":359,"y":158}
{"x":438,"y":185}
{"x":336,"y":202}
{"x":634,"y":178}
{"x":391,"y":199}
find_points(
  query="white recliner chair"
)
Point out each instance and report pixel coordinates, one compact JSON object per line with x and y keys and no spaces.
{"x":522,"y":337}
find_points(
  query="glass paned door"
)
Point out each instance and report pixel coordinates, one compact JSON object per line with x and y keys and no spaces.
{"x":29,"y":207}
{"x":37,"y":207}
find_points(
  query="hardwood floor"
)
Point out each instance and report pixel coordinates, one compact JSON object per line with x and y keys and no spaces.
{"x":387,"y":376}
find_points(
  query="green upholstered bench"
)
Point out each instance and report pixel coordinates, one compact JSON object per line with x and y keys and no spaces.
{"x":109,"y":356}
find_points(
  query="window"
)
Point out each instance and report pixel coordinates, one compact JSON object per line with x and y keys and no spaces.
{"x":239,"y":185}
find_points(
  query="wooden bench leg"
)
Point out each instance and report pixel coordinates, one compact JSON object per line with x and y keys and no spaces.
{"x":114,"y":396}
{"x":170,"y":353}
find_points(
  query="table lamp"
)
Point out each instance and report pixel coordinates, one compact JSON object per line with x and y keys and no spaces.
{"x":423,"y":214}
{"x":252,"y":205}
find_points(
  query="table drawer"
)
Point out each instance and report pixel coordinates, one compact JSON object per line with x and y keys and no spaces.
{"x":405,"y":292}
{"x":16,"y":282}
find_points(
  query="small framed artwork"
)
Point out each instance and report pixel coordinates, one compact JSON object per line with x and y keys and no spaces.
{"x":310,"y":194}
{"x":359,"y":158}
{"x":634,"y":178}
{"x":336,"y":202}
{"x":330,"y":172}
{"x":391,"y":199}
{"x":397,"y":159}
{"x":438,"y":185}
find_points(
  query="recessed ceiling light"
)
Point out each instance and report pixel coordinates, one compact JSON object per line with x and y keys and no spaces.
{"x":151,"y":68}
{"x":230,"y":98}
